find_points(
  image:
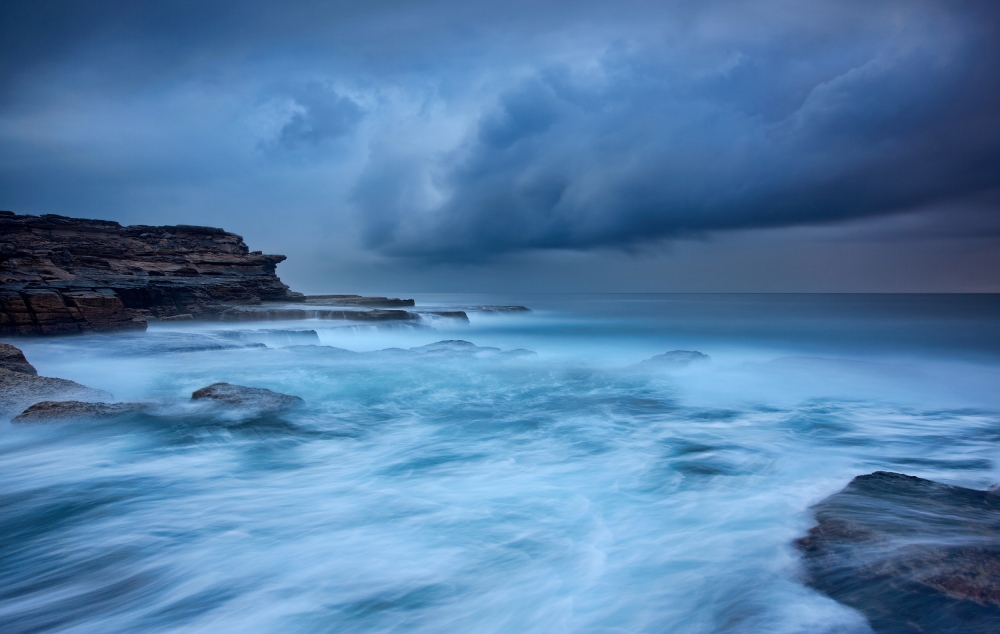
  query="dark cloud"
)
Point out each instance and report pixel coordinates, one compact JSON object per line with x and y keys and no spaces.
{"x":457,"y":131}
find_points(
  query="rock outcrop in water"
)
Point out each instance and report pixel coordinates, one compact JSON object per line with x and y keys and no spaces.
{"x":46,"y":411}
{"x":61,"y":274}
{"x":21,"y":387}
{"x":912,"y":555}
{"x":256,"y":398}
{"x":677,"y":358}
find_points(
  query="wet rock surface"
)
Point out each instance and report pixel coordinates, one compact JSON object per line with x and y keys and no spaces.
{"x":11,"y":358}
{"x":358,"y":300}
{"x":62,"y":275}
{"x":256,"y":398}
{"x":912,"y":555}
{"x":64,"y":410}
{"x":19,"y":390}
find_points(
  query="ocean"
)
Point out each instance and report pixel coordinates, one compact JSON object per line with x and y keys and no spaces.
{"x":544,"y":477}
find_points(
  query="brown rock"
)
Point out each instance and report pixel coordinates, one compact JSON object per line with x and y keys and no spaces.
{"x":60,"y":275}
{"x":66,"y":410}
{"x":255,"y":398}
{"x":19,"y":390}
{"x":912,"y":555}
{"x":12,"y":359}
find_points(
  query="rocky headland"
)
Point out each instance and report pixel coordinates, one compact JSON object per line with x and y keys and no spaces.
{"x":64,"y":275}
{"x":60,"y":275}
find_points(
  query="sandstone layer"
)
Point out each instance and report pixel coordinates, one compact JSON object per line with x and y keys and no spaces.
{"x":60,"y":274}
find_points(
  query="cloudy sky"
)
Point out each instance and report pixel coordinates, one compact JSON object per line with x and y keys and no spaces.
{"x":388,"y":146}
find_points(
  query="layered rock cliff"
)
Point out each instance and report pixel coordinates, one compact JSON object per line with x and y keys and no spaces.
{"x":60,"y":275}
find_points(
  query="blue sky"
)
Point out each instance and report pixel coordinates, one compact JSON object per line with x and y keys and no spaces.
{"x":526,"y":146}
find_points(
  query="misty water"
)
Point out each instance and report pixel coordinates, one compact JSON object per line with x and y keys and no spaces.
{"x":460,"y":489}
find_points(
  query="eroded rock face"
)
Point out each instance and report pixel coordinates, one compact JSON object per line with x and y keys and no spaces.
{"x":19,"y":390}
{"x":60,"y":275}
{"x":12,"y":359}
{"x":45,"y":411}
{"x":255,"y":398}
{"x":912,"y":555}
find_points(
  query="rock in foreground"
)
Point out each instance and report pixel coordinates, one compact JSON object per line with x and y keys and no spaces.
{"x":256,"y":398}
{"x":912,"y":555}
{"x":64,"y":410}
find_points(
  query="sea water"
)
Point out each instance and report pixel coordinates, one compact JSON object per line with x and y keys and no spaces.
{"x":460,"y":489}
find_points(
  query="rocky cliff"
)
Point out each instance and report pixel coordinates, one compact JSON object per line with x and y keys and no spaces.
{"x":60,"y":275}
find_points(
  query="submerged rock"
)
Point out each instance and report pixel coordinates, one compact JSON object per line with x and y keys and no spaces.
{"x":257,"y":398}
{"x":912,"y":555}
{"x":677,"y":358}
{"x":273,"y":337}
{"x":18,"y":390}
{"x":12,"y":359}
{"x":500,"y":309}
{"x":62,"y":410}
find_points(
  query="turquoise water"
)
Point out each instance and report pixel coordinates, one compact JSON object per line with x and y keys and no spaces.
{"x":467,"y":490}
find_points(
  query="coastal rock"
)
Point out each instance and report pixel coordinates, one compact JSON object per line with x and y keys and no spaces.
{"x":677,"y":358}
{"x":278,"y":314}
{"x":63,"y":275}
{"x":358,"y":300}
{"x":912,"y":555}
{"x":256,"y":398}
{"x":500,"y":309}
{"x":455,"y":349}
{"x":19,"y":390}
{"x":64,"y":410}
{"x":12,"y":359}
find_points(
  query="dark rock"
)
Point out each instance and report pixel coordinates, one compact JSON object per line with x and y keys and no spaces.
{"x":12,"y":359}
{"x":357,"y":300}
{"x":273,"y":337}
{"x":912,"y":555}
{"x":64,"y":410}
{"x":450,"y":314}
{"x":677,"y":358}
{"x":62,"y":275}
{"x":256,"y":398}
{"x":500,"y":309}
{"x":18,"y":390}
{"x":273,"y":314}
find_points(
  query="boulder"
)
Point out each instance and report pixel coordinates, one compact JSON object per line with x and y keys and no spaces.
{"x":912,"y":555}
{"x":64,"y":410}
{"x":12,"y":359}
{"x":256,"y":398}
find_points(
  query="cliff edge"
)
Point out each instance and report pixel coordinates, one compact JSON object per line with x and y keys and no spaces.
{"x":61,"y":275}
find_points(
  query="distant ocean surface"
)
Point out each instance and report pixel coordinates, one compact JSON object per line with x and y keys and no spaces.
{"x":460,"y":489}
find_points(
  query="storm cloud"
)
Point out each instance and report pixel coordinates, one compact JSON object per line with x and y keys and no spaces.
{"x":466,"y":131}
